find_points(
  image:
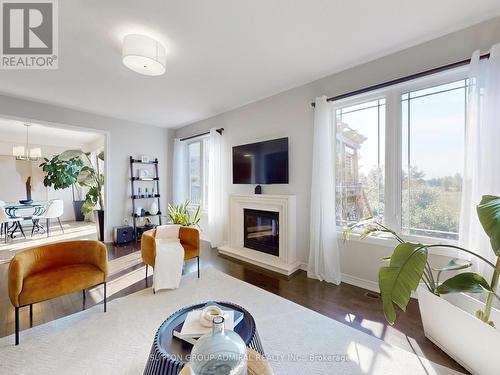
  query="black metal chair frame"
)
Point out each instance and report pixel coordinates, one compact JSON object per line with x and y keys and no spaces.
{"x":31,"y":309}
{"x":10,"y":231}
{"x":48,"y":226}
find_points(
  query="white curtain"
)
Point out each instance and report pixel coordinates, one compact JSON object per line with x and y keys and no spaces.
{"x":482,"y":152}
{"x":217,"y":187}
{"x":180,"y":177}
{"x":324,"y":261}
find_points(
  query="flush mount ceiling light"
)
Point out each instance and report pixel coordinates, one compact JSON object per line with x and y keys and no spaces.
{"x":144,"y":55}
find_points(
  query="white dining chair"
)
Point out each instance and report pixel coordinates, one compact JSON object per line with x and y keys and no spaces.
{"x":6,"y":220}
{"x":54,"y":211}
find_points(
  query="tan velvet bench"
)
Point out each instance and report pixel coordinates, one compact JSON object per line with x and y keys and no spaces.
{"x":190,"y":241}
{"x":45,"y":272}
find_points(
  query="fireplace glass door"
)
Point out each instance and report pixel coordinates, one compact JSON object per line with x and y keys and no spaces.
{"x":261,"y":231}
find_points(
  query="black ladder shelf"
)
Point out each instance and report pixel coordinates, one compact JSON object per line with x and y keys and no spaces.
{"x":136,"y":196}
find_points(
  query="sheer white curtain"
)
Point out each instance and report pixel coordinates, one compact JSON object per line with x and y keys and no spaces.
{"x":217,"y":187}
{"x":482,"y":151}
{"x":180,"y":177}
{"x":324,"y":263}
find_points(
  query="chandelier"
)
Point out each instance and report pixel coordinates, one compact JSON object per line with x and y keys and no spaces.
{"x":25,"y":152}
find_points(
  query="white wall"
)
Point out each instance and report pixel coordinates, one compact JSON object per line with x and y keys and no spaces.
{"x":290,"y":114}
{"x":14,"y":175}
{"x":125,"y":138}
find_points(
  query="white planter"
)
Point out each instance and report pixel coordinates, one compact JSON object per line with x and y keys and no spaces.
{"x":449,"y":322}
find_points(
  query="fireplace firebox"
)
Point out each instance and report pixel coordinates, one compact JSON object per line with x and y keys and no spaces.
{"x":261,"y":231}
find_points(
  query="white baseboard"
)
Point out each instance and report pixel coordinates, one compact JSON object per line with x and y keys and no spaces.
{"x":353,"y":280}
{"x":361,"y":283}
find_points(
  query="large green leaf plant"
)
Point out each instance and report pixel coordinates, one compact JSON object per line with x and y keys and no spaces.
{"x":89,"y":176}
{"x":409,"y":265}
{"x":61,"y":174}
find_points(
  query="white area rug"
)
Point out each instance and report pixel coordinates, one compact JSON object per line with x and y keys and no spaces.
{"x":298,"y":340}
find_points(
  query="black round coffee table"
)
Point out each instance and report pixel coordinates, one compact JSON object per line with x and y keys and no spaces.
{"x":168,"y":352}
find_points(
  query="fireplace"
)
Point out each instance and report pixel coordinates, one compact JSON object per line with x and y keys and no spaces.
{"x":261,"y":231}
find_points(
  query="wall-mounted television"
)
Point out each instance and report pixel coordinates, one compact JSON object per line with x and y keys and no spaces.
{"x":261,"y":163}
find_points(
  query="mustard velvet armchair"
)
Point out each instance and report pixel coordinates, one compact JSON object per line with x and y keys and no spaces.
{"x":190,"y":241}
{"x":45,"y":272}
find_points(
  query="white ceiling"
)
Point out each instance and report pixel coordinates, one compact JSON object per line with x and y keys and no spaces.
{"x":12,"y":131}
{"x":222,"y":54}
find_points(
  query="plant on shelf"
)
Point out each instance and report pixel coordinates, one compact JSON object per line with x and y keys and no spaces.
{"x":182,"y":214}
{"x":408,"y":265}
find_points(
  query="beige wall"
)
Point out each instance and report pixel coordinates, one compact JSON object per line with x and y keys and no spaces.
{"x":290,"y":114}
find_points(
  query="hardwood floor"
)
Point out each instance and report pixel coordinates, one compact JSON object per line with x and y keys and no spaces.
{"x":347,"y":304}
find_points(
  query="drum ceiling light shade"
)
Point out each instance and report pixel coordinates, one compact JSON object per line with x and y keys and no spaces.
{"x":144,"y":55}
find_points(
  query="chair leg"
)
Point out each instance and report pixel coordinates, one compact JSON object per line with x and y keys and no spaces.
{"x":146,"y":278}
{"x":83,"y":306}
{"x":31,"y":315}
{"x":17,"y":325}
{"x":33,"y":227}
{"x":198,"y":260}
{"x":48,"y":226}
{"x":59,"y":220}
{"x":105,"y":298}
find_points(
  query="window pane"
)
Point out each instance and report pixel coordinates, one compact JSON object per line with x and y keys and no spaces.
{"x":194,"y":172}
{"x":436,"y":89}
{"x":360,"y":161}
{"x":433,"y":152}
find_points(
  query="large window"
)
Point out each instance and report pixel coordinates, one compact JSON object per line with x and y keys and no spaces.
{"x":360,"y":161}
{"x":433,"y":130}
{"x":198,"y":172}
{"x":418,"y":131}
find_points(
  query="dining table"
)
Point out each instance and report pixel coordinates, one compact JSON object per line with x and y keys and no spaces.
{"x":27,"y":211}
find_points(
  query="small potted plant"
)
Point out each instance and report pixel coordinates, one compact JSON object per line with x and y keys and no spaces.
{"x":452,"y":319}
{"x":182,"y":214}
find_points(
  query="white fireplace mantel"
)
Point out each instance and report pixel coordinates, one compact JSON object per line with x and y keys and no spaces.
{"x":286,"y":263}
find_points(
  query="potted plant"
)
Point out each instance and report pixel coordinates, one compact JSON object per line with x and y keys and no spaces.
{"x":452,"y":319}
{"x":182,"y":214}
{"x":62,"y":174}
{"x":90,"y":177}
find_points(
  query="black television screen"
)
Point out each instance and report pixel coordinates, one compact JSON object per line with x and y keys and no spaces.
{"x":261,"y":163}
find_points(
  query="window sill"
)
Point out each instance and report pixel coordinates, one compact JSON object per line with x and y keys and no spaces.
{"x":389,"y":242}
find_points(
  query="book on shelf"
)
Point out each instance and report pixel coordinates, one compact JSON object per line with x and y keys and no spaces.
{"x":191,"y":329}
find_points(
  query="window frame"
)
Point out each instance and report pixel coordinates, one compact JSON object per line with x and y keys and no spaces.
{"x":369,"y":97}
{"x":393,"y":150}
{"x":202,"y":141}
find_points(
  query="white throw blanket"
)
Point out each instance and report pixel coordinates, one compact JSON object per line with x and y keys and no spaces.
{"x":169,"y":258}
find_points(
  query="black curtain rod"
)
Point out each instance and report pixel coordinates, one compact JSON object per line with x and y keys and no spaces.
{"x":403,"y":79}
{"x":220,"y":130}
